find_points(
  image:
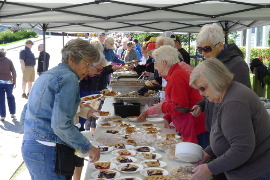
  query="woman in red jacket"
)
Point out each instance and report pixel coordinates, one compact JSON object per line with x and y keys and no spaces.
{"x":178,"y":93}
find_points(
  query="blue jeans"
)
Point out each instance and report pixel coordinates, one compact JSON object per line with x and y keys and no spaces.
{"x":40,"y":160}
{"x":7,"y":88}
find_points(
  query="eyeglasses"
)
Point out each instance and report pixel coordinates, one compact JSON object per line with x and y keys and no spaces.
{"x":202,"y":88}
{"x":87,"y":64}
{"x":206,"y":49}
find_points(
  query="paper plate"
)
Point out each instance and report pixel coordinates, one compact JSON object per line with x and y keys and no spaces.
{"x":112,"y":165}
{"x":155,"y":120}
{"x":114,"y":160}
{"x":119,"y":167}
{"x":144,"y":171}
{"x":162,"y":163}
{"x":96,"y":173}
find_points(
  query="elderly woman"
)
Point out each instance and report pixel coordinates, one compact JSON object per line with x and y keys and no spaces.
{"x":240,"y":130}
{"x":108,"y":51}
{"x":178,"y":93}
{"x":7,"y":83}
{"x":50,"y":138}
{"x":130,"y":53}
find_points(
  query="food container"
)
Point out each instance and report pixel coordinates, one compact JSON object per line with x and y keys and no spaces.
{"x":140,"y":99}
{"x":188,"y":152}
{"x":124,"y":110}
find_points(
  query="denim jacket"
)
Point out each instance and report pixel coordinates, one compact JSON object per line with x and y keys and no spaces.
{"x":52,"y":104}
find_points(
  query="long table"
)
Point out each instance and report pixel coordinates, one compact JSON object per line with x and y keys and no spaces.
{"x":171,"y":164}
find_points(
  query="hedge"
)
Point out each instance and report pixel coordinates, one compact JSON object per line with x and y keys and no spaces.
{"x":9,"y":36}
{"x":256,"y":52}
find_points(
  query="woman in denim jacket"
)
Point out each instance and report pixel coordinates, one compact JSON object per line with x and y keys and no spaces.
{"x":48,"y":115}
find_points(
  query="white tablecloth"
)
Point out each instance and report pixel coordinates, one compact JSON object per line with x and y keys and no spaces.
{"x":171,"y":164}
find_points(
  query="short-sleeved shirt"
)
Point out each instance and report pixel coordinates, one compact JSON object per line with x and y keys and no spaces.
{"x":28,"y":57}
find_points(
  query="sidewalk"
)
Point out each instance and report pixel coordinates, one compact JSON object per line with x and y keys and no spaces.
{"x":11,"y":132}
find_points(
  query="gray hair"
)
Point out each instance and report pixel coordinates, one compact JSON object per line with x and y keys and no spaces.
{"x":102,"y":60}
{"x":165,"y":41}
{"x":214,"y":72}
{"x":97,"y":44}
{"x":166,"y":53}
{"x":2,"y":52}
{"x":77,"y":49}
{"x":210,"y":33}
{"x":108,"y":41}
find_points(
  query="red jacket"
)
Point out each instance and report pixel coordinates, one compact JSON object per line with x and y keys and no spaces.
{"x":179,"y":93}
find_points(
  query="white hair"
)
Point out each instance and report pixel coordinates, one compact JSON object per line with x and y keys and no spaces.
{"x":102,"y":60}
{"x":165,"y":41}
{"x":97,"y":44}
{"x":108,"y":41}
{"x":166,"y":53}
{"x":214,"y":72}
{"x":210,"y":33}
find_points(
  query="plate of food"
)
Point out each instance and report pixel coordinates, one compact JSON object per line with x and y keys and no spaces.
{"x":144,"y":149}
{"x":117,"y":121}
{"x":151,"y":129}
{"x":108,"y":174}
{"x":131,"y":142}
{"x":128,"y":178}
{"x":103,"y":165}
{"x":155,"y":120}
{"x":106,"y":124}
{"x":123,"y":146}
{"x":102,"y":114}
{"x":183,"y":172}
{"x":153,"y":171}
{"x":124,"y":125}
{"x":129,"y":167}
{"x":132,"y":118}
{"x":159,"y":177}
{"x":149,"y":156}
{"x":112,"y":118}
{"x":124,"y":152}
{"x":130,"y":130}
{"x":123,"y":159}
{"x":111,"y":131}
{"x":108,"y":93}
{"x":91,"y":97}
{"x":105,"y":149}
{"x":148,"y":125}
{"x":153,"y":163}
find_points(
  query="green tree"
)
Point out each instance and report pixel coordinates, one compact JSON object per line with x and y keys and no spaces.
{"x":142,"y":36}
{"x":232,"y":37}
{"x":184,"y":38}
{"x":269,"y":38}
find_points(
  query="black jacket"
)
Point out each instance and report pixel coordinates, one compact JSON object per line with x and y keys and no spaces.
{"x":41,"y":62}
{"x":98,"y":82}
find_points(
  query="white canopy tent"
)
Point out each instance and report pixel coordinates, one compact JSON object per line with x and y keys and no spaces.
{"x":134,"y":15}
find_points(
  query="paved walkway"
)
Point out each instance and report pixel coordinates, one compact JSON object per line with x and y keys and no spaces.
{"x":11,"y":132}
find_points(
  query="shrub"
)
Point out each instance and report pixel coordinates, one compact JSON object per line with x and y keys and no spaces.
{"x":9,"y":36}
{"x":256,"y":52}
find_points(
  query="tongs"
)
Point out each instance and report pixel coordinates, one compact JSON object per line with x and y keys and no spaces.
{"x":183,"y":109}
{"x":141,"y":78}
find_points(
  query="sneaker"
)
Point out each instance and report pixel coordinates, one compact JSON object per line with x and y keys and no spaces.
{"x":24,"y":96}
{"x":2,"y":118}
{"x":13,"y":116}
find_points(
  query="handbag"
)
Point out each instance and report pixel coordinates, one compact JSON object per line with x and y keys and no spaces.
{"x":64,"y":164}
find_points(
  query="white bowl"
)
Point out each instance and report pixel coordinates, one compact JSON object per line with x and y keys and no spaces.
{"x":188,"y":152}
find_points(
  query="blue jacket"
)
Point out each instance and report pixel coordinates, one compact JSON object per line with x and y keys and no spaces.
{"x":52,"y":104}
{"x":110,"y":56}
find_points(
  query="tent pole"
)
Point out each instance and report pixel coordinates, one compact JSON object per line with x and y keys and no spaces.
{"x":248,"y":46}
{"x":63,"y":35}
{"x":189,"y":34}
{"x":44,"y":28}
{"x":226,"y":30}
